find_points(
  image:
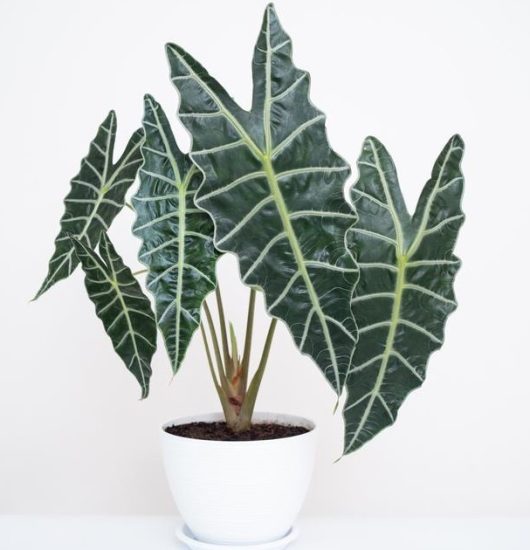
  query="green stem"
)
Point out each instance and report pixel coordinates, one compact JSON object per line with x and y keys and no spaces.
{"x":140,"y":272}
{"x":247,"y":410}
{"x":224,"y":337}
{"x":235,"y":352}
{"x":217,"y":351}
{"x":245,"y":361}
{"x":222,"y":397}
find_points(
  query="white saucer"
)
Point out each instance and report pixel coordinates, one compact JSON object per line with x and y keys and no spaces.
{"x":185,"y":536}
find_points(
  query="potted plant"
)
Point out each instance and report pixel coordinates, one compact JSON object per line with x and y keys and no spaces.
{"x":364,"y":288}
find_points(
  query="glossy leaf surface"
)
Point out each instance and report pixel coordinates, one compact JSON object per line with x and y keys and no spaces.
{"x":405,"y":291}
{"x":177,"y":237}
{"x":96,"y":196}
{"x":122,"y":307}
{"x":274,"y":188}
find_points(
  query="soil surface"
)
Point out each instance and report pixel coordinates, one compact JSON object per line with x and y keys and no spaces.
{"x":219,"y":431}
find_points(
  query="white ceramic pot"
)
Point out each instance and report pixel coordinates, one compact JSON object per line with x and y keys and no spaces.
{"x":239,"y":492}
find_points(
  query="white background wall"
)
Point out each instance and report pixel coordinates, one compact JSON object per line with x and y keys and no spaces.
{"x":74,"y":438}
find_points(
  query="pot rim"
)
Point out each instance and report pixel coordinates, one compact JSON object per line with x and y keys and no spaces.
{"x":257,"y":416}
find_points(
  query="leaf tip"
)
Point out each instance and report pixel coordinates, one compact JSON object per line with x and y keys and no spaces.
{"x":145,"y":393}
{"x":109,"y":124}
{"x":371,"y":139}
{"x":111,"y":118}
{"x":170,"y":48}
{"x":43,"y":288}
{"x":150,"y":104}
{"x":457,"y":140}
{"x":270,"y":15}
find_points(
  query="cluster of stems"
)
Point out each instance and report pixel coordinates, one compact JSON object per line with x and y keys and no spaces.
{"x":229,"y":370}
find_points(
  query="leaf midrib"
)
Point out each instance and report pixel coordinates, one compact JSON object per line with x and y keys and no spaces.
{"x":425,"y":218}
{"x":222,"y":109}
{"x":265,"y":159}
{"x":283,"y":211}
{"x":106,"y":187}
{"x":300,"y":261}
{"x":115,"y":284}
{"x":103,"y":190}
{"x":181,"y":189}
{"x":398,"y":292}
{"x":402,"y":257}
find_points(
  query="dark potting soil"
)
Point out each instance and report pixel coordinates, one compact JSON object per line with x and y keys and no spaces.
{"x":219,"y":431}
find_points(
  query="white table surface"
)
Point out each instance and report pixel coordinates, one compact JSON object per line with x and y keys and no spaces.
{"x":157,"y":533}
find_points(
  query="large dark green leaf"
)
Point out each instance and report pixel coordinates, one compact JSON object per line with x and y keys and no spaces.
{"x":96,"y":196}
{"x":274,"y":189}
{"x":405,"y":291}
{"x":177,"y":237}
{"x":121,"y":305}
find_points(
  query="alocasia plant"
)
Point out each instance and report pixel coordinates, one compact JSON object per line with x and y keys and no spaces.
{"x":96,"y":196}
{"x":177,"y":237}
{"x":266,"y":185}
{"x":121,"y":305}
{"x":178,"y":250}
{"x":405,"y":292}
{"x":274,"y":189}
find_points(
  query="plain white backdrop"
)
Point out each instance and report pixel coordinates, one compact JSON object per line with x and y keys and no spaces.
{"x":74,"y":437}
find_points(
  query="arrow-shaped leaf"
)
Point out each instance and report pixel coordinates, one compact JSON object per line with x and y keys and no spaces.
{"x":274,"y":189}
{"x":96,"y":196}
{"x":121,"y":305}
{"x":405,"y":292}
{"x":177,"y":237}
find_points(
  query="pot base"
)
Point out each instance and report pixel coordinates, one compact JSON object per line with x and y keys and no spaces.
{"x":185,"y":536}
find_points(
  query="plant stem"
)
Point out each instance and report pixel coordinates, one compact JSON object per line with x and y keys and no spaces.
{"x":245,"y":417}
{"x":140,"y":272}
{"x":231,"y":381}
{"x":209,"y":356}
{"x":245,"y":361}
{"x":215,"y":343}
{"x":235,"y":352}
{"x":222,"y":397}
{"x":222,"y":323}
